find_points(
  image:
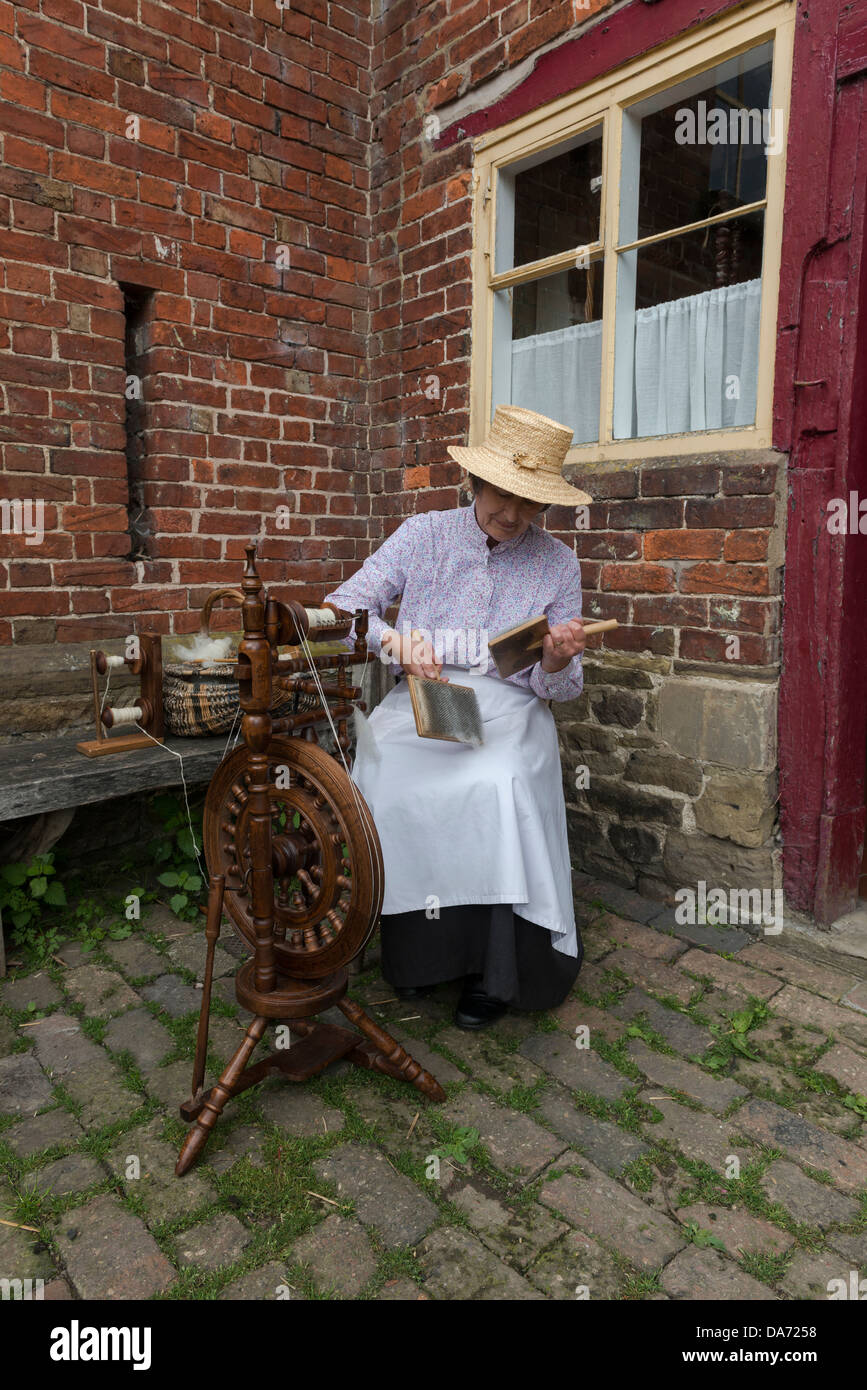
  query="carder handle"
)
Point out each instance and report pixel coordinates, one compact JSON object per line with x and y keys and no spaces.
{"x":606,"y":625}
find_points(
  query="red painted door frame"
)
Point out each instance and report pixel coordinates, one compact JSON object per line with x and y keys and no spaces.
{"x":822,"y":338}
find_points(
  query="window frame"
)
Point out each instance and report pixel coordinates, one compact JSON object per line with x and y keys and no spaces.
{"x":602,"y":102}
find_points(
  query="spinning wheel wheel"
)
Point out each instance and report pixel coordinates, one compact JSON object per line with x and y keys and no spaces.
{"x":294,"y":858}
{"x":326,"y":864}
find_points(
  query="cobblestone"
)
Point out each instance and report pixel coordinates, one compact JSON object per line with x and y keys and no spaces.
{"x":458,"y":1266}
{"x":43,"y":1131}
{"x":783,"y":1129}
{"x":654,"y":975}
{"x":645,"y":940}
{"x":810,"y":1273}
{"x":144,"y":1165}
{"x":268,"y":1282}
{"x":679,"y":1031}
{"x":578,"y":1266}
{"x":813,"y":1203}
{"x":607,"y":1145}
{"x":172,"y":995}
{"x":383,"y":1198}
{"x":487,"y":1062}
{"x":516,"y":1144}
{"x":299,"y":1111}
{"x":24,"y":1087}
{"x":100,"y":992}
{"x":577,"y":1067}
{"x":703,"y":1138}
{"x":707,"y":1275}
{"x":141,"y":1035}
{"x":37,"y":989}
{"x":615,"y":1217}
{"x":109,"y":1253}
{"x":75,"y":1173}
{"x":339,"y":1256}
{"x":213,"y":1244}
{"x":831,"y":1018}
{"x":553,"y":1209}
{"x":730,"y":974}
{"x":136,"y":957}
{"x":518,"y":1236}
{"x":794,"y":970}
{"x":740,"y":1232}
{"x":676,"y":1075}
{"x":847,"y":1067}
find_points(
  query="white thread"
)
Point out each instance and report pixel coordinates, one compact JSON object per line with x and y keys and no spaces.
{"x":126,"y":714}
{"x":111,"y":661}
{"x":232,"y":731}
{"x":321,"y":617}
{"x":373,"y":858}
{"x":105,"y":692}
{"x":202,"y":870}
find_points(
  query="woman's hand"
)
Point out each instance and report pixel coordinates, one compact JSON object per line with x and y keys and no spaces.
{"x":415,"y":654}
{"x":564,"y":641}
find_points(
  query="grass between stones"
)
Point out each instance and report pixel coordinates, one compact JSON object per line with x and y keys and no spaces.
{"x":274,"y":1199}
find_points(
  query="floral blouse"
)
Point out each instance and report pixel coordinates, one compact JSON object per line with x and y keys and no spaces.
{"x":459,"y":592}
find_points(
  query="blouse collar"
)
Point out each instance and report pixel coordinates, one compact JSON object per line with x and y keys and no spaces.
{"x":478,"y":538}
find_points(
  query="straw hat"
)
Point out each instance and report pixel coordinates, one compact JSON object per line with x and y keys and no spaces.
{"x":524,"y":453}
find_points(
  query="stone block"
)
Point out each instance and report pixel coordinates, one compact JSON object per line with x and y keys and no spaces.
{"x":730,"y":723}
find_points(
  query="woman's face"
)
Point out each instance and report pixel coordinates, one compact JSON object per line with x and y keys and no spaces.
{"x":502,"y":515}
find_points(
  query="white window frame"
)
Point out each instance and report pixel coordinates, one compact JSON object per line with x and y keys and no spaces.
{"x":602,"y":102}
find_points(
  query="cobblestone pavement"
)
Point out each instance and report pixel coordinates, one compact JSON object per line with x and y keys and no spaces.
{"x":689,"y":1124}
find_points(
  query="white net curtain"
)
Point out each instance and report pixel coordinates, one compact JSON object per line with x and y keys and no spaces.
{"x":696,"y":365}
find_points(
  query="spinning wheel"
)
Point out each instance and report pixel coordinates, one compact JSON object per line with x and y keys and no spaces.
{"x":326,"y":863}
{"x":294,"y":858}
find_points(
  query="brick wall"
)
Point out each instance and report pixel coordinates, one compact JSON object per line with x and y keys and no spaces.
{"x":173,"y":149}
{"x":308,"y":128}
{"x":677,"y":724}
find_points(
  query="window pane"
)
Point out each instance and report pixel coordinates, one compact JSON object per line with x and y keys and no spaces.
{"x":548,"y":348}
{"x":546,"y":205}
{"x":704,"y":151}
{"x":686,"y":356}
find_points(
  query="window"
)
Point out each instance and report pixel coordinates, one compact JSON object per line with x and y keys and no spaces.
{"x":627,"y":248}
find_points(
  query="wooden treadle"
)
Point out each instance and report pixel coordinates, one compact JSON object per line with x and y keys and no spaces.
{"x":309,"y":1055}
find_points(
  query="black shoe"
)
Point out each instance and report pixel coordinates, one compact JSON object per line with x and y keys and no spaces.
{"x":478,"y":1010}
{"x":413,"y":991}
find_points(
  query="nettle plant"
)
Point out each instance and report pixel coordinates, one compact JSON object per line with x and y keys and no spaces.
{"x":27,"y":889}
{"x":44,"y":912}
{"x":176,"y":850}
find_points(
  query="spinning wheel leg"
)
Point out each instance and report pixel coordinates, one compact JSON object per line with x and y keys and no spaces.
{"x":389,"y":1052}
{"x":223,"y":1091}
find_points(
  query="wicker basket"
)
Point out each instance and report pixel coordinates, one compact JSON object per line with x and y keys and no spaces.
{"x":201,"y":698}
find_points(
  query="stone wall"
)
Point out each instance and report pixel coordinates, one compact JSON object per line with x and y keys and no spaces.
{"x":677,"y":726}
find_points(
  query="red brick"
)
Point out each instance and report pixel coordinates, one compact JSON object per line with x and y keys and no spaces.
{"x":683,"y":545}
{"x":724,"y":579}
{"x":637,"y":578}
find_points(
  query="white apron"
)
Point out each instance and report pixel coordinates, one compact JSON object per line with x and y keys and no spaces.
{"x":468,"y":825}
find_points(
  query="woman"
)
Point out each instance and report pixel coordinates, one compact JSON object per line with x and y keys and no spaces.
{"x":477,"y":873}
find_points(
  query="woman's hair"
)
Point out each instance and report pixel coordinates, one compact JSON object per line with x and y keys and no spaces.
{"x":478,"y":483}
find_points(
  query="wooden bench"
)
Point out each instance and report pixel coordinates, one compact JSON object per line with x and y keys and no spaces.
{"x":43,"y":781}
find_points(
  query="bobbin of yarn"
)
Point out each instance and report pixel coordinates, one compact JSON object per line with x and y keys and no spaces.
{"x":291,"y":624}
{"x":142,"y":721}
{"x":115,"y":715}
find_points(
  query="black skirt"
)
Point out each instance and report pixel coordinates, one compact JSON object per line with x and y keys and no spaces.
{"x":515,"y":958}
